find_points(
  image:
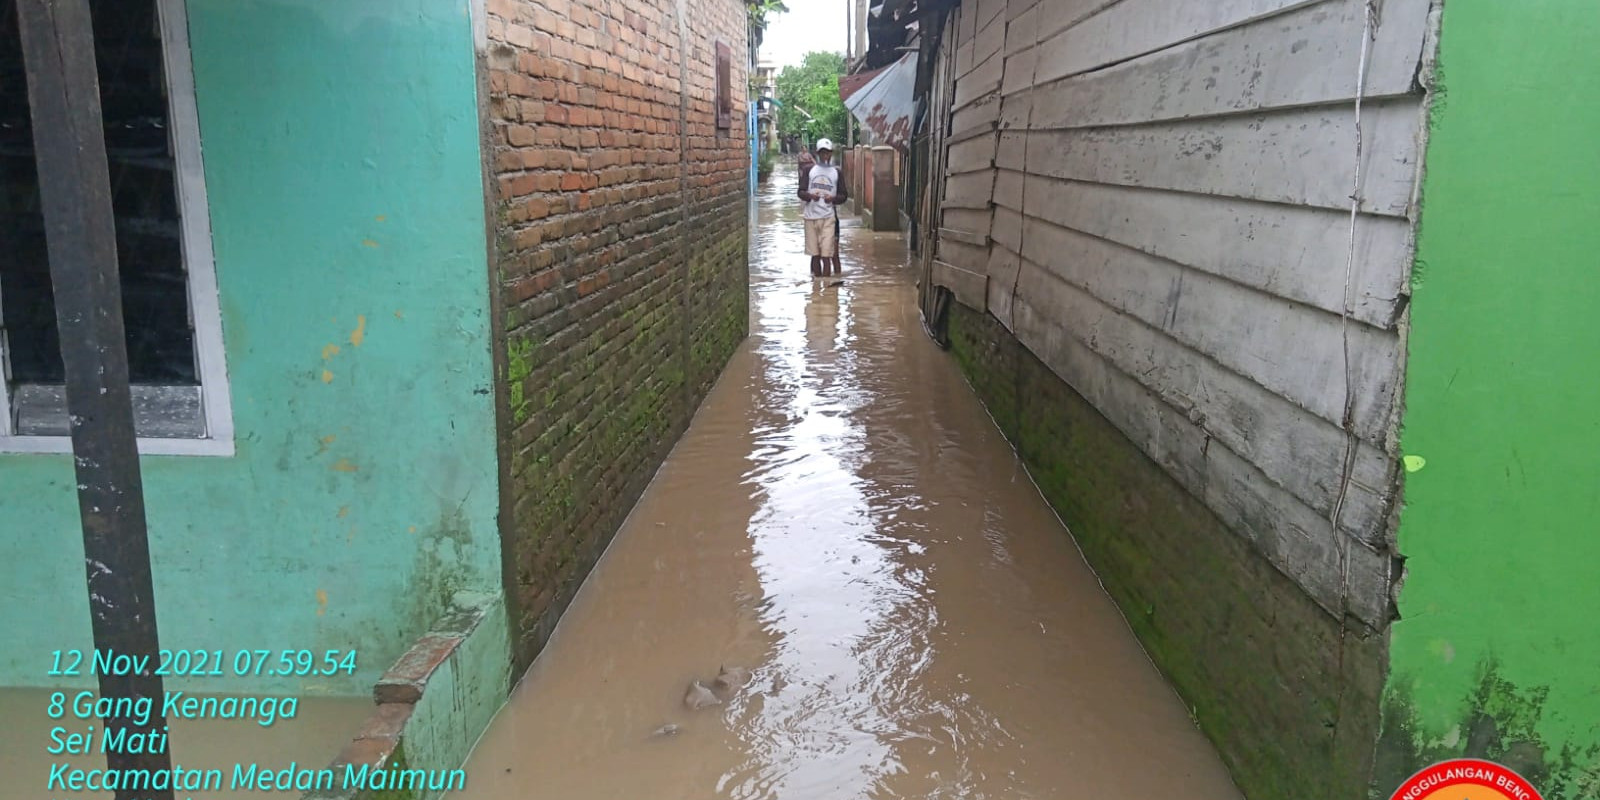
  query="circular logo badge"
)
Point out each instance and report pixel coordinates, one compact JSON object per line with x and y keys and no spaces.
{"x":1466,"y":779}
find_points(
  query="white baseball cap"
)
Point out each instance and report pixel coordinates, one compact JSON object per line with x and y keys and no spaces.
{"x":824,"y":144}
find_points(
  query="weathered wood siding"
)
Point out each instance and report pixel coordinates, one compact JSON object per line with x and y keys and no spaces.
{"x":1156,"y":196}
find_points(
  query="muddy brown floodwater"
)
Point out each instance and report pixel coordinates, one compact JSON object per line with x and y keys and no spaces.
{"x":845,"y":522}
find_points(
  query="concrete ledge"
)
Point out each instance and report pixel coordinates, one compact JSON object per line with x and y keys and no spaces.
{"x":405,"y":681}
{"x":434,"y":702}
{"x":376,"y":745}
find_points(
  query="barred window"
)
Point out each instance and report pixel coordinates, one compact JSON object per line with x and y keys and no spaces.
{"x":168,"y":287}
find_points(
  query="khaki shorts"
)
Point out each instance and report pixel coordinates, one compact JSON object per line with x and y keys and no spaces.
{"x":822,"y":237}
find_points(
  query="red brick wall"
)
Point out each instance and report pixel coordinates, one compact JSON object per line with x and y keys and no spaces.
{"x":621,"y":263}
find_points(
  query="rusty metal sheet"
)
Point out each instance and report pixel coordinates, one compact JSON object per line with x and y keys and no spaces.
{"x":885,"y":105}
{"x":850,"y":84}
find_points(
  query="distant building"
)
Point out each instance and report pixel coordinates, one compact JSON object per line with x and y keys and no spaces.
{"x":766,"y":86}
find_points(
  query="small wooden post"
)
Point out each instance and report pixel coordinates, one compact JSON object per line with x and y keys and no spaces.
{"x":80,"y":229}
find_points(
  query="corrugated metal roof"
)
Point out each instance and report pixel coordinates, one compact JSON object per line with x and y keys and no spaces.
{"x":850,"y":84}
{"x":885,"y":104}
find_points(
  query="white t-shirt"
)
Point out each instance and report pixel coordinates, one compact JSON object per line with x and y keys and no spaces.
{"x":823,"y":184}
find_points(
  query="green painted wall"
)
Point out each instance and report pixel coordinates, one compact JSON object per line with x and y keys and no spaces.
{"x":1498,"y":653}
{"x":342,"y":162}
{"x":465,"y":692}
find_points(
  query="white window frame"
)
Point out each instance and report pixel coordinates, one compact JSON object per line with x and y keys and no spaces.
{"x":216,"y":404}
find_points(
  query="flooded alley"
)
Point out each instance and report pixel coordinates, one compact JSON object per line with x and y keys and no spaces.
{"x":844,"y":522}
{"x":432,"y":399}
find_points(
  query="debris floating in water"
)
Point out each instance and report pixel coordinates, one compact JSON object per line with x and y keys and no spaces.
{"x":699,"y":697}
{"x":729,"y":681}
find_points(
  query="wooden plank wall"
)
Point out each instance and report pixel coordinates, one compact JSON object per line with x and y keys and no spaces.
{"x":1156,"y":195}
{"x":967,"y":210}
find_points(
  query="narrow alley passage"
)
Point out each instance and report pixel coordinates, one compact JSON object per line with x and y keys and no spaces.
{"x":845,"y":522}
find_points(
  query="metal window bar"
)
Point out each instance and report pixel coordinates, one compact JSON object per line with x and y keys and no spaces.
{"x":188,"y":420}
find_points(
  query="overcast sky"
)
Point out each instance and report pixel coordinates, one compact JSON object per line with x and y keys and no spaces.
{"x":809,"y":25}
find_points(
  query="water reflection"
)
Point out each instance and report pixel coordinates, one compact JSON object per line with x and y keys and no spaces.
{"x":850,"y":617}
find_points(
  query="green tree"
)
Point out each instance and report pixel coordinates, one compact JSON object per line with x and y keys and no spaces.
{"x":831,"y":115}
{"x":809,"y":98}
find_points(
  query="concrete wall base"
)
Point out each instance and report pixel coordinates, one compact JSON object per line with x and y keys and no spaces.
{"x":1288,"y":695}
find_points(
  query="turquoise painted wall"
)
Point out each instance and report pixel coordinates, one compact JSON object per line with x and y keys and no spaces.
{"x":1499,"y":648}
{"x":342,"y":162}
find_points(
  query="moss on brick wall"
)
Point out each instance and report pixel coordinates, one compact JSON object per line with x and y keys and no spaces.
{"x":1288,"y":696}
{"x":621,"y":263}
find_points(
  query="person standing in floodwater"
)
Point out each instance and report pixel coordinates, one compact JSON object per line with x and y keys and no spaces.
{"x":822,"y":190}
